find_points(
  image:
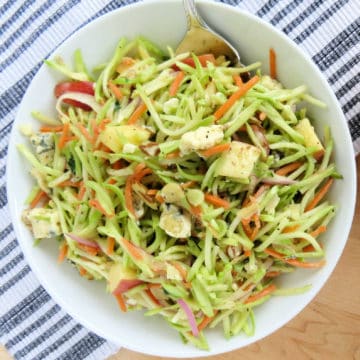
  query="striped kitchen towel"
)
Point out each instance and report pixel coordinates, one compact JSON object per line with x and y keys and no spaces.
{"x":32,"y":325}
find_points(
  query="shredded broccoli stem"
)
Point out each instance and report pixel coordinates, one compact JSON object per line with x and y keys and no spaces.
{"x":107,"y":176}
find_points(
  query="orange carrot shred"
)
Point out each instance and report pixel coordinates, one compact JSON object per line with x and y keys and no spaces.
{"x":115,"y":90}
{"x":319,"y":195}
{"x":290,"y":229}
{"x":82,"y":271}
{"x":264,"y":292}
{"x":318,"y":231}
{"x":110,"y":245}
{"x":152,"y":297}
{"x":216,"y":201}
{"x":180,"y":269}
{"x":247,"y":253}
{"x":272,"y":274}
{"x":62,"y":253}
{"x":235,"y":96}
{"x":64,"y":136}
{"x":103,"y":123}
{"x":295,"y":262}
{"x":174,"y":87}
{"x":121,"y":302}
{"x":152,"y":192}
{"x":173,"y":155}
{"x":96,"y":204}
{"x":70,"y":183}
{"x":85,"y":132}
{"x":238,"y":80}
{"x":51,"y":128}
{"x":38,"y":197}
{"x":82,"y":191}
{"x":272,"y":63}
{"x":206,"y":321}
{"x":134,"y":251}
{"x":188,"y":184}
{"x":196,"y":210}
{"x":141,"y":109}
{"x":288,"y":168}
{"x":216,"y":149}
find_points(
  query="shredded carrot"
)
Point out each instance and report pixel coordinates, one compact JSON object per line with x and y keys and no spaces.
{"x":247,"y":253}
{"x":82,"y":191}
{"x":318,"y":231}
{"x":272,"y":274}
{"x":139,"y":172}
{"x":134,"y":251}
{"x":188,"y":184}
{"x":128,"y":196}
{"x":44,"y":129}
{"x":251,"y":231}
{"x":318,"y":155}
{"x":272,"y":63}
{"x":216,"y":149}
{"x":90,"y":250}
{"x":203,"y":59}
{"x":62,"y":253}
{"x":70,"y":183}
{"x":64,"y":136}
{"x":235,"y":96}
{"x":117,"y":165}
{"x":173,"y":155}
{"x":206,"y":321}
{"x":196,"y":210}
{"x":110,"y":245}
{"x":103,"y":123}
{"x":121,"y":302}
{"x":82,"y":271}
{"x":154,"y":285}
{"x":319,"y":195}
{"x":104,"y":148}
{"x":264,"y":292}
{"x":174,"y":87}
{"x":152,"y":192}
{"x":115,"y":90}
{"x":295,"y":262}
{"x":290,"y":229}
{"x":96,"y":204}
{"x":288,"y":168}
{"x":159,"y":198}
{"x":238,"y":80}
{"x":216,"y":201}
{"x":180,"y":269}
{"x":85,"y":132}
{"x":138,"y":176}
{"x":38,"y":197}
{"x":95,"y":130}
{"x":152,"y":297}
{"x":112,"y":181}
{"x":141,"y":109}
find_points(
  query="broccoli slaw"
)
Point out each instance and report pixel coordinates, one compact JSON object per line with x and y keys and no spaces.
{"x":188,"y":185}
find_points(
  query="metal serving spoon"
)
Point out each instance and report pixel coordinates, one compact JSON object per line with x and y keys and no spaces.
{"x":200,"y":39}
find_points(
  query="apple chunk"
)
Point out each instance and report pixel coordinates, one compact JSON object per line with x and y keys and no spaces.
{"x":122,"y":279}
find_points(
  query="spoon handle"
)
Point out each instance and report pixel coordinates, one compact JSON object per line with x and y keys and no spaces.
{"x":193,"y":17}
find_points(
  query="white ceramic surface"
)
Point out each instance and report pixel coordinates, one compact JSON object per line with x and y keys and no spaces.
{"x":164,"y":22}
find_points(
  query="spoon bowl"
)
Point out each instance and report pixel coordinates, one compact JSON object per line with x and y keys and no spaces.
{"x":201,"y":39}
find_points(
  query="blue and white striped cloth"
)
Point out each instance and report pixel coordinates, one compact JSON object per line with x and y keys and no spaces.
{"x":32,"y":325}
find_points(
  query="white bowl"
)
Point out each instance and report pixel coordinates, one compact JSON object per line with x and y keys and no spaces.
{"x":164,"y":22}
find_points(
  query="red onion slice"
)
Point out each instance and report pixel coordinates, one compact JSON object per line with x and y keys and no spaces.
{"x":190,"y":316}
{"x":83,"y":241}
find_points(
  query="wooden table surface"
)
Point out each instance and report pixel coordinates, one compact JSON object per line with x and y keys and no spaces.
{"x":329,"y":328}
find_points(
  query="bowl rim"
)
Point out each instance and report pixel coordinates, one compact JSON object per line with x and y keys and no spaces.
{"x":43,"y":278}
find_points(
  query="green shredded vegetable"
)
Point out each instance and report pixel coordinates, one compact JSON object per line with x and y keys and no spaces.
{"x":154,"y":195}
